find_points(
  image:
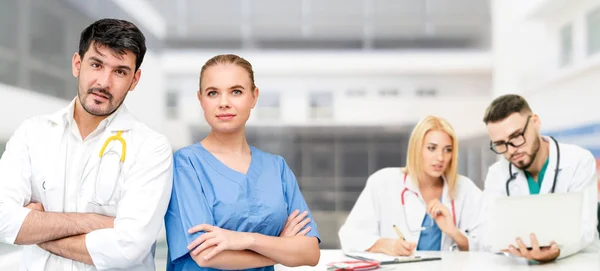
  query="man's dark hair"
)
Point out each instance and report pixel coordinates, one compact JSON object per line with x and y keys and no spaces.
{"x":118,"y":35}
{"x":504,"y":106}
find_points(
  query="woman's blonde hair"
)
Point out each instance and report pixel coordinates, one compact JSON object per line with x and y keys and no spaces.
{"x":414,"y":158}
{"x":228,"y":59}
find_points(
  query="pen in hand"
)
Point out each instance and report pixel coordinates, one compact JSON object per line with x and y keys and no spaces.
{"x":399,"y":233}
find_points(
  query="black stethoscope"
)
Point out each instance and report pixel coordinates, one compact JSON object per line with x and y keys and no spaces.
{"x":513,"y":176}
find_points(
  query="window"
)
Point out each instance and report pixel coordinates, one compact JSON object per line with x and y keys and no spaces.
{"x":47,"y":38}
{"x":593,"y":31}
{"x":295,"y":160}
{"x":388,"y":158}
{"x":427,"y":92}
{"x":389,"y":92}
{"x":268,"y":105}
{"x":321,"y":159}
{"x":8,"y":71}
{"x":349,"y":198}
{"x":50,"y":85}
{"x":2,"y":147}
{"x":8,"y":20}
{"x":356,"y":163}
{"x":321,"y":105}
{"x":566,"y":45}
{"x":357,"y":92}
{"x":172,"y":104}
{"x":9,"y":65}
{"x":319,"y":199}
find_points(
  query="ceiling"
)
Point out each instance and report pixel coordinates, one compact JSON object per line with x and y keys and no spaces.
{"x":326,"y":24}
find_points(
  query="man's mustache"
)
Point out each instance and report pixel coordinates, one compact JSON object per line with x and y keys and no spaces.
{"x":100,"y":91}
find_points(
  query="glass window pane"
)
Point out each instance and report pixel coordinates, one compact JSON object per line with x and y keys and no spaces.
{"x":349,"y":199}
{"x":295,"y":162}
{"x":386,"y":158}
{"x":321,"y":99}
{"x":427,"y":92}
{"x":267,"y":106}
{"x":8,"y":22}
{"x":9,"y":72}
{"x":2,"y":147}
{"x":389,"y":92}
{"x":319,"y":200}
{"x":47,"y":38}
{"x":50,"y":85}
{"x":356,"y":92}
{"x":328,"y":228}
{"x":353,"y":184}
{"x":321,"y":105}
{"x":593,"y":31}
{"x":566,"y":45}
{"x":172,"y":98}
{"x":355,"y":163}
{"x":172,"y":103}
{"x":268,"y":99}
{"x":321,"y":161}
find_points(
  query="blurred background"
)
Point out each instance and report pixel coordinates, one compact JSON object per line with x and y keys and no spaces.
{"x":342,"y":81}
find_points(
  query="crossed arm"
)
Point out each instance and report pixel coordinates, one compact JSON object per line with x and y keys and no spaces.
{"x":62,"y":234}
{"x":217,"y":247}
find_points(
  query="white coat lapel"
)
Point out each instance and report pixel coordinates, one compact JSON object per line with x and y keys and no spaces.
{"x":445,"y":196}
{"x":446,"y":201}
{"x":548,"y":180}
{"x":94,"y":159}
{"x":519,"y":185}
{"x":53,"y":185}
{"x":413,"y":208}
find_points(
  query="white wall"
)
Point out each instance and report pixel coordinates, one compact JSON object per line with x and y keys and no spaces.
{"x":526,"y":60}
{"x":516,"y":45}
{"x":568,"y":104}
{"x":344,"y":63}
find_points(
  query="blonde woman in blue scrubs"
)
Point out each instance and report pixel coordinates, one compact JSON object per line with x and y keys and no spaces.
{"x":429,"y":203}
{"x":231,"y":201}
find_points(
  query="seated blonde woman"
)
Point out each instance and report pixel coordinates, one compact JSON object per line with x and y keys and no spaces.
{"x":425,"y":206}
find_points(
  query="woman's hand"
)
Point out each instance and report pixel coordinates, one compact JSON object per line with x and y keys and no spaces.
{"x":442,"y":216}
{"x":221,"y":239}
{"x":393,"y":247}
{"x":294,"y":224}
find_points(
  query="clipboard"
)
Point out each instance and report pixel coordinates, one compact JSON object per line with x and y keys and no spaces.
{"x":383,"y":259}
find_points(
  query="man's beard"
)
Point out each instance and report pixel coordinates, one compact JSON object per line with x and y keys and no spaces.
{"x":521,"y":165}
{"x":99,"y":113}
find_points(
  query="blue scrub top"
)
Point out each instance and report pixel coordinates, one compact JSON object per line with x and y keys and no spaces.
{"x":431,"y":238}
{"x":206,"y":191}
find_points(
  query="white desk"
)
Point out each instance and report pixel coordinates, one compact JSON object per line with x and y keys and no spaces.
{"x":450,"y":261}
{"x":469,"y":261}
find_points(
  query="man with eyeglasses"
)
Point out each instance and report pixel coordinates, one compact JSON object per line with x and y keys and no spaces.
{"x":536,"y":164}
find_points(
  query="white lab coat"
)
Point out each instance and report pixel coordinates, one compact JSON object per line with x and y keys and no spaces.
{"x":379,"y":207}
{"x":577,"y":172}
{"x":32,"y":169}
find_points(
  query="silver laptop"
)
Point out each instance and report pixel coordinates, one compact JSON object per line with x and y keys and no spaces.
{"x":551,"y":217}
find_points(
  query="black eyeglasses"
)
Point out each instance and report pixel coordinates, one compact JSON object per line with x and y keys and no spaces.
{"x":517,"y":141}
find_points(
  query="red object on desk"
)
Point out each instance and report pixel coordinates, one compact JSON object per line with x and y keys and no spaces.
{"x":352,"y":266}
